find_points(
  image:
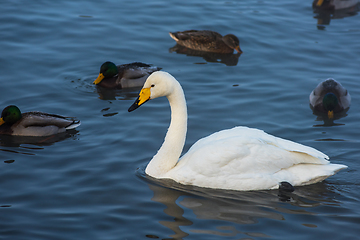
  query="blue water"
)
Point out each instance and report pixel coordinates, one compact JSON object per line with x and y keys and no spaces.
{"x":89,"y":183}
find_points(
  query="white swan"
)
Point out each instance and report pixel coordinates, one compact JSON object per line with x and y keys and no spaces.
{"x":240,"y":158}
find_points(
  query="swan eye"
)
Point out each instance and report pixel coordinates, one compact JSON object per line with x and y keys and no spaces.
{"x":152,"y":85}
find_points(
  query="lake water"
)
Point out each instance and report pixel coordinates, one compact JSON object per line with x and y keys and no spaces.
{"x":90,"y":183}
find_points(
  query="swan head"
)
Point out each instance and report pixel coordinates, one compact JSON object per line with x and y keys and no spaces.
{"x":158,"y":84}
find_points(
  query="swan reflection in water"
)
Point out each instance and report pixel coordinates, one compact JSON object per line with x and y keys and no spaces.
{"x":229,"y":59}
{"x":234,"y":207}
{"x":326,"y":10}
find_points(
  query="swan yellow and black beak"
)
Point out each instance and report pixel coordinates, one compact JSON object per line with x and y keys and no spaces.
{"x":143,"y":97}
{"x":99,"y":78}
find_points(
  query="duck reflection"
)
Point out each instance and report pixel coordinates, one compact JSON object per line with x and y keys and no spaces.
{"x":334,"y":9}
{"x":229,"y":59}
{"x":121,"y":94}
{"x":328,"y":122}
{"x":17,"y":141}
{"x":233,"y":206}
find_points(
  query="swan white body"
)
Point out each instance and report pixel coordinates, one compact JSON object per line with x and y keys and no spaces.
{"x":240,"y":158}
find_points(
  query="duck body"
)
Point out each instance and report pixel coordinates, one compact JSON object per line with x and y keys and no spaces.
{"x":35,"y":124}
{"x":208,"y":41}
{"x":125,"y":75}
{"x":330,"y":97}
{"x":240,"y":158}
{"x":333,"y":5}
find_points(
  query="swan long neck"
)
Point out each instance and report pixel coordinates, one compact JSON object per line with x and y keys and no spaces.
{"x":171,"y":149}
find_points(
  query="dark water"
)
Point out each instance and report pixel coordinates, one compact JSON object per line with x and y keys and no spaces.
{"x":89,"y":183}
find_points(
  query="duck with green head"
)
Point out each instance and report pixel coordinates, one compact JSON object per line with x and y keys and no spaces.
{"x":37,"y":124}
{"x":330,"y":97}
{"x":125,"y":75}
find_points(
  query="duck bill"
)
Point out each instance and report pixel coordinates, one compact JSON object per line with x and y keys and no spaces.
{"x":2,"y":121}
{"x":238,"y":49}
{"x":99,"y":78}
{"x":319,"y":3}
{"x":330,"y":114}
{"x":143,"y":97}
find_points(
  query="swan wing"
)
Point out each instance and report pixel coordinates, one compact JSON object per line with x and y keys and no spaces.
{"x":248,"y":136}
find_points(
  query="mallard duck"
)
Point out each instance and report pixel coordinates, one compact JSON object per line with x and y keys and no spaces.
{"x":330,"y":97}
{"x":334,"y":4}
{"x":37,"y":124}
{"x":208,"y":41}
{"x":240,"y":158}
{"x":125,"y":75}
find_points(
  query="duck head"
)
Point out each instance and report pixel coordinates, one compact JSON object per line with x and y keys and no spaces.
{"x":233,"y":42}
{"x":107,"y":70}
{"x":330,"y":101}
{"x":10,"y":115}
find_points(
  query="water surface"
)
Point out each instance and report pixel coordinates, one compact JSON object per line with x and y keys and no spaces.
{"x":89,"y":183}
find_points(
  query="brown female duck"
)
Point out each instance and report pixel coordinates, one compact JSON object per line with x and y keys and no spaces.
{"x":208,"y":41}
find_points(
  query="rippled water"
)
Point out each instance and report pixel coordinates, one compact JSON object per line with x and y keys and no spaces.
{"x":89,"y":183}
